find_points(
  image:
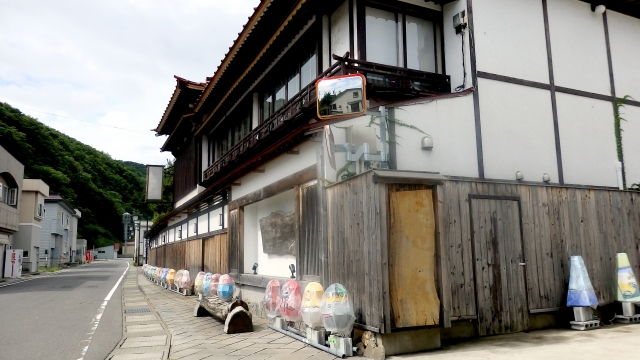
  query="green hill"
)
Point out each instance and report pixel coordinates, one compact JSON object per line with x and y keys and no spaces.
{"x":100,"y":187}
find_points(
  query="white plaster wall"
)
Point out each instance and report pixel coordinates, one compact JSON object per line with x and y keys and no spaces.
{"x":340,"y":30}
{"x":450,"y":123}
{"x":630,"y":143}
{"x":578,"y":46}
{"x":276,"y":169}
{"x":189,"y":196}
{"x":624,"y":38}
{"x":273,"y":265}
{"x":203,"y":224}
{"x":587,"y":141}
{"x":214,"y":220}
{"x":453,"y":46}
{"x":517,"y":131}
{"x":510,"y":38}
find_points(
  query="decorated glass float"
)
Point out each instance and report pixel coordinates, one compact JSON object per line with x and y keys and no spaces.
{"x":310,"y":306}
{"x":163,"y":278}
{"x":177,"y":279}
{"x":271,"y":296}
{"x":197,"y":284}
{"x":170,"y":277}
{"x":290,"y":300}
{"x":206,"y":284}
{"x":337,"y":310}
{"x":185,"y":282}
{"x":215,"y":280}
{"x":226,"y":287}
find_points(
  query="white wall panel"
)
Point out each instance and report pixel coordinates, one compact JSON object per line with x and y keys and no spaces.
{"x":578,"y":46}
{"x":517,"y":131}
{"x":340,"y":30}
{"x":276,"y":169}
{"x":630,"y":143}
{"x":624,"y":37}
{"x":273,"y":265}
{"x":453,"y":46}
{"x":450,"y":123}
{"x":587,"y":140}
{"x":510,"y":38}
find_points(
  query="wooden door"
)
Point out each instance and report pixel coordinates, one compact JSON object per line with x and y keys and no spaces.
{"x":499,"y":274}
{"x":413,"y":296}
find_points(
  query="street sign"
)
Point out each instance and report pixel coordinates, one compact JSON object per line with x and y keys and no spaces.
{"x":13,"y":264}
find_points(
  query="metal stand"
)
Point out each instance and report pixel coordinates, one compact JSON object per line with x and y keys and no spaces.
{"x":584,"y":319}
{"x":341,"y":345}
{"x":629,"y":315}
{"x":316,"y":336}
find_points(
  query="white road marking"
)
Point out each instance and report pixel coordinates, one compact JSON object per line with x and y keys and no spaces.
{"x":96,"y":320}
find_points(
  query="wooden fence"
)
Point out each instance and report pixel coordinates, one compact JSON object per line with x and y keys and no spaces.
{"x":556,"y":223}
{"x":209,"y":254}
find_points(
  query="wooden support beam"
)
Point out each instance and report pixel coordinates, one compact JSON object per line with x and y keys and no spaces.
{"x":293,"y":152}
{"x":259,"y":170}
{"x":282,"y":185}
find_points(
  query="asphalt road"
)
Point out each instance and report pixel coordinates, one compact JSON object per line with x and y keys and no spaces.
{"x":51,"y":317}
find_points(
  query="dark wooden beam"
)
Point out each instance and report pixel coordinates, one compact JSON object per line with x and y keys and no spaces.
{"x":554,"y":106}
{"x":282,"y":185}
{"x":476,"y":96}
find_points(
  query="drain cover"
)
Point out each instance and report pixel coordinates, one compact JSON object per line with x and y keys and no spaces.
{"x":134,"y":311}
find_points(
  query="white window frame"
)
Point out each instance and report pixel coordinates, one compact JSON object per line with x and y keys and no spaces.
{"x":40,"y":211}
{"x":13,"y":197}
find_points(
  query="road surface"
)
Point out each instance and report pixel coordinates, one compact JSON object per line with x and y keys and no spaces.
{"x":52,"y":317}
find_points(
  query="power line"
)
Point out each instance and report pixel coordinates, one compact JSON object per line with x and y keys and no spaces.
{"x":90,"y":122}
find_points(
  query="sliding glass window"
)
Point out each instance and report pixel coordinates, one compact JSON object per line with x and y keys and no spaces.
{"x":396,"y":39}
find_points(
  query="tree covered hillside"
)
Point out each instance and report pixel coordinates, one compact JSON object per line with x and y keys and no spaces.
{"x":91,"y":181}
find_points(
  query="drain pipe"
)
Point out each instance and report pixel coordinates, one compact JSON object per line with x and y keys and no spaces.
{"x":304,"y":340}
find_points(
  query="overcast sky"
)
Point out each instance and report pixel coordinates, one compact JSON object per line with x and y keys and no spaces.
{"x":111,"y":62}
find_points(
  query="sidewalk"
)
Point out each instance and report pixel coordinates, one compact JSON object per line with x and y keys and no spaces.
{"x":144,"y":334}
{"x":191,"y":338}
{"x":195,"y":338}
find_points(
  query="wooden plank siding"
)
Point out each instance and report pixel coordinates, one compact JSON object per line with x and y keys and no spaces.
{"x":557,"y":222}
{"x":216,"y":254}
{"x":309,"y":262}
{"x":208,"y":254}
{"x":355,"y":257}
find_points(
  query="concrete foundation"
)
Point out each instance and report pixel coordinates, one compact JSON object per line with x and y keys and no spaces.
{"x":410,"y":341}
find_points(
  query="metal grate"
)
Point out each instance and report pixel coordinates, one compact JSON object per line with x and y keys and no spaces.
{"x":137,"y":311}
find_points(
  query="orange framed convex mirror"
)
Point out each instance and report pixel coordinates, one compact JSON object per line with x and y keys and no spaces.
{"x":341,"y":97}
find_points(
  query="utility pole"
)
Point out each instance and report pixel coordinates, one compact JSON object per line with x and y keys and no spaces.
{"x":126,"y":218}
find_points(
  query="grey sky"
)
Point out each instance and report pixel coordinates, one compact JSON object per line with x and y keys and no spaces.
{"x":111,"y":62}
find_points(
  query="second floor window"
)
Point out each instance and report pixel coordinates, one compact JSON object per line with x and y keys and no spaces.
{"x":399,"y":39}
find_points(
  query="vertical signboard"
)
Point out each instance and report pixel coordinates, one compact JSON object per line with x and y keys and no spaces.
{"x":13,"y":264}
{"x":155,"y":174}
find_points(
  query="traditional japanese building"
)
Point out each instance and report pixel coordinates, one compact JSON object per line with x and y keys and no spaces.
{"x":503,"y":159}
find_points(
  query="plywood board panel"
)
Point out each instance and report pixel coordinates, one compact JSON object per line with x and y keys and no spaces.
{"x":414,"y":300}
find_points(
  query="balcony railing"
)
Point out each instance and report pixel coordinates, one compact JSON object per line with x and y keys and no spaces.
{"x":379,"y":77}
{"x":306,"y":98}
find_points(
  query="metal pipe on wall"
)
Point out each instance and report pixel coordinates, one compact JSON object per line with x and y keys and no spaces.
{"x":317,"y":346}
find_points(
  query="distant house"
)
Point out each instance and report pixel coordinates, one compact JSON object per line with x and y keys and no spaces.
{"x":81,"y":250}
{"x":59,"y":232}
{"x":105,"y":252}
{"x":32,"y":214}
{"x":140,"y":235}
{"x":11,"y":175}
